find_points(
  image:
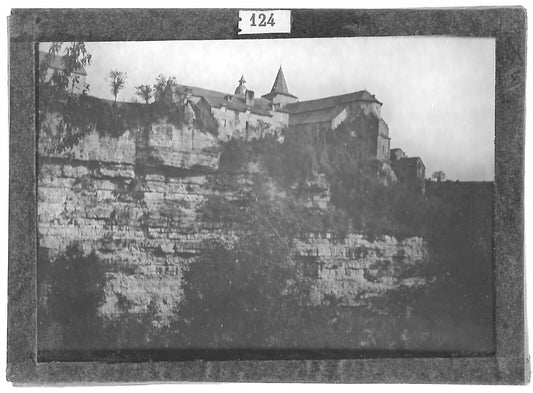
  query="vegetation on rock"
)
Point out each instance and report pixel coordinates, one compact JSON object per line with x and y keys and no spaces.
{"x":251,"y":292}
{"x":77,"y":115}
{"x":361,"y":202}
{"x":71,"y":289}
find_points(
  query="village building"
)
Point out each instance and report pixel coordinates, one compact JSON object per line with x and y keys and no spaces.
{"x":396,"y":154}
{"x":360,"y":110}
{"x":244,"y":115}
{"x":409,"y":170}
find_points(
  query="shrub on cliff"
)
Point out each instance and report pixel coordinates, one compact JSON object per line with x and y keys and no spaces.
{"x":356,"y":192}
{"x":71,"y":289}
{"x":249,"y":293}
{"x":66,"y":117}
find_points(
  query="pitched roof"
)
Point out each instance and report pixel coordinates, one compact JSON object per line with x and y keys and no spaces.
{"x":233,"y":102}
{"x":320,"y":116}
{"x":397,"y":150}
{"x":405,"y":162}
{"x":279,"y":86}
{"x":56,"y":62}
{"x":330,"y":102}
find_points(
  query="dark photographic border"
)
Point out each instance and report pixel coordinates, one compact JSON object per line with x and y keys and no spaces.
{"x":509,"y":364}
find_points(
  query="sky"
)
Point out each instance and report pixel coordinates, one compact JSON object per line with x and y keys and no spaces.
{"x":437,"y":92}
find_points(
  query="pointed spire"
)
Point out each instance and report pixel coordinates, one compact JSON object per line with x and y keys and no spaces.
{"x":241,"y":89}
{"x":280,"y":85}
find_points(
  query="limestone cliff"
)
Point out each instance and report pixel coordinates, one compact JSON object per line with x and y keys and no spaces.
{"x":356,"y":267}
{"x":134,"y":199}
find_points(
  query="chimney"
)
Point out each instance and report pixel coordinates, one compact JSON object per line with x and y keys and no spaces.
{"x":249,"y":98}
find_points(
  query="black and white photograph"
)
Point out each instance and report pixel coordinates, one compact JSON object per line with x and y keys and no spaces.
{"x":267,"y":195}
{"x":272,"y":199}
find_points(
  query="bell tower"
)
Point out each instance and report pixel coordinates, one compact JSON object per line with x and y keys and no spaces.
{"x":279,"y":95}
{"x":241,"y":89}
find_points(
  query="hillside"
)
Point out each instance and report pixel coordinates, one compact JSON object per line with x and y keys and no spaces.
{"x":268,"y":236}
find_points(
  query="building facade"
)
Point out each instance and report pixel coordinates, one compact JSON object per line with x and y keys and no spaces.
{"x":243,"y":115}
{"x":247,"y":116}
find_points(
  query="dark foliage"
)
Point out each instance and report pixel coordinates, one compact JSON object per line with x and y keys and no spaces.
{"x":459,"y":234}
{"x":368,"y":205}
{"x":65,"y":117}
{"x":452,"y":314}
{"x":145,"y":92}
{"x":204,"y":119}
{"x":129,"y":330}
{"x":71,"y":288}
{"x":248,"y":293}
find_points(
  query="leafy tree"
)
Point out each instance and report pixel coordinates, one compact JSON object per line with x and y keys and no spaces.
{"x":164,"y":88}
{"x":249,"y":294}
{"x":439,"y":176}
{"x":75,"y":115}
{"x":117,"y":82}
{"x":74,"y":57}
{"x":59,"y":85}
{"x":145,"y":92}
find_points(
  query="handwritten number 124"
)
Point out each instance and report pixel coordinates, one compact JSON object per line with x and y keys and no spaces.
{"x":262,"y":19}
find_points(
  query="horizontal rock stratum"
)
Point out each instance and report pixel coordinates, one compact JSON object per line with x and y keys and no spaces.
{"x":134,"y":200}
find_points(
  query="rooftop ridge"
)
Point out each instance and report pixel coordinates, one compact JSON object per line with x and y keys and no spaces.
{"x":331,"y":101}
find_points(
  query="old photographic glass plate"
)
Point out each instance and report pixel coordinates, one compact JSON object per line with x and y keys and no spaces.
{"x":203,"y":205}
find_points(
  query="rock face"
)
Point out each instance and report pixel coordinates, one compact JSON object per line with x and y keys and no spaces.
{"x":356,"y":267}
{"x":134,"y":200}
{"x":184,"y":148}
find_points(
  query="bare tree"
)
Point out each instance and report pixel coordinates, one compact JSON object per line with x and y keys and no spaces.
{"x":145,"y":92}
{"x":117,"y":82}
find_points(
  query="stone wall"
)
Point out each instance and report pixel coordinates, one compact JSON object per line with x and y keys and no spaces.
{"x":134,"y":200}
{"x":246,"y":124}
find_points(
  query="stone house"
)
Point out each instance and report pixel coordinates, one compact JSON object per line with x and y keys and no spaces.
{"x":409,"y":170}
{"x":361,"y":111}
{"x":396,"y":154}
{"x":242,"y":114}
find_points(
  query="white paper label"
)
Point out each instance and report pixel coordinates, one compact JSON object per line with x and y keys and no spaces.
{"x":264,"y":21}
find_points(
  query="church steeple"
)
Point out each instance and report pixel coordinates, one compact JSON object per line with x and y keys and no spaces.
{"x":279,"y":94}
{"x":280,"y":85}
{"x":241,"y":89}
